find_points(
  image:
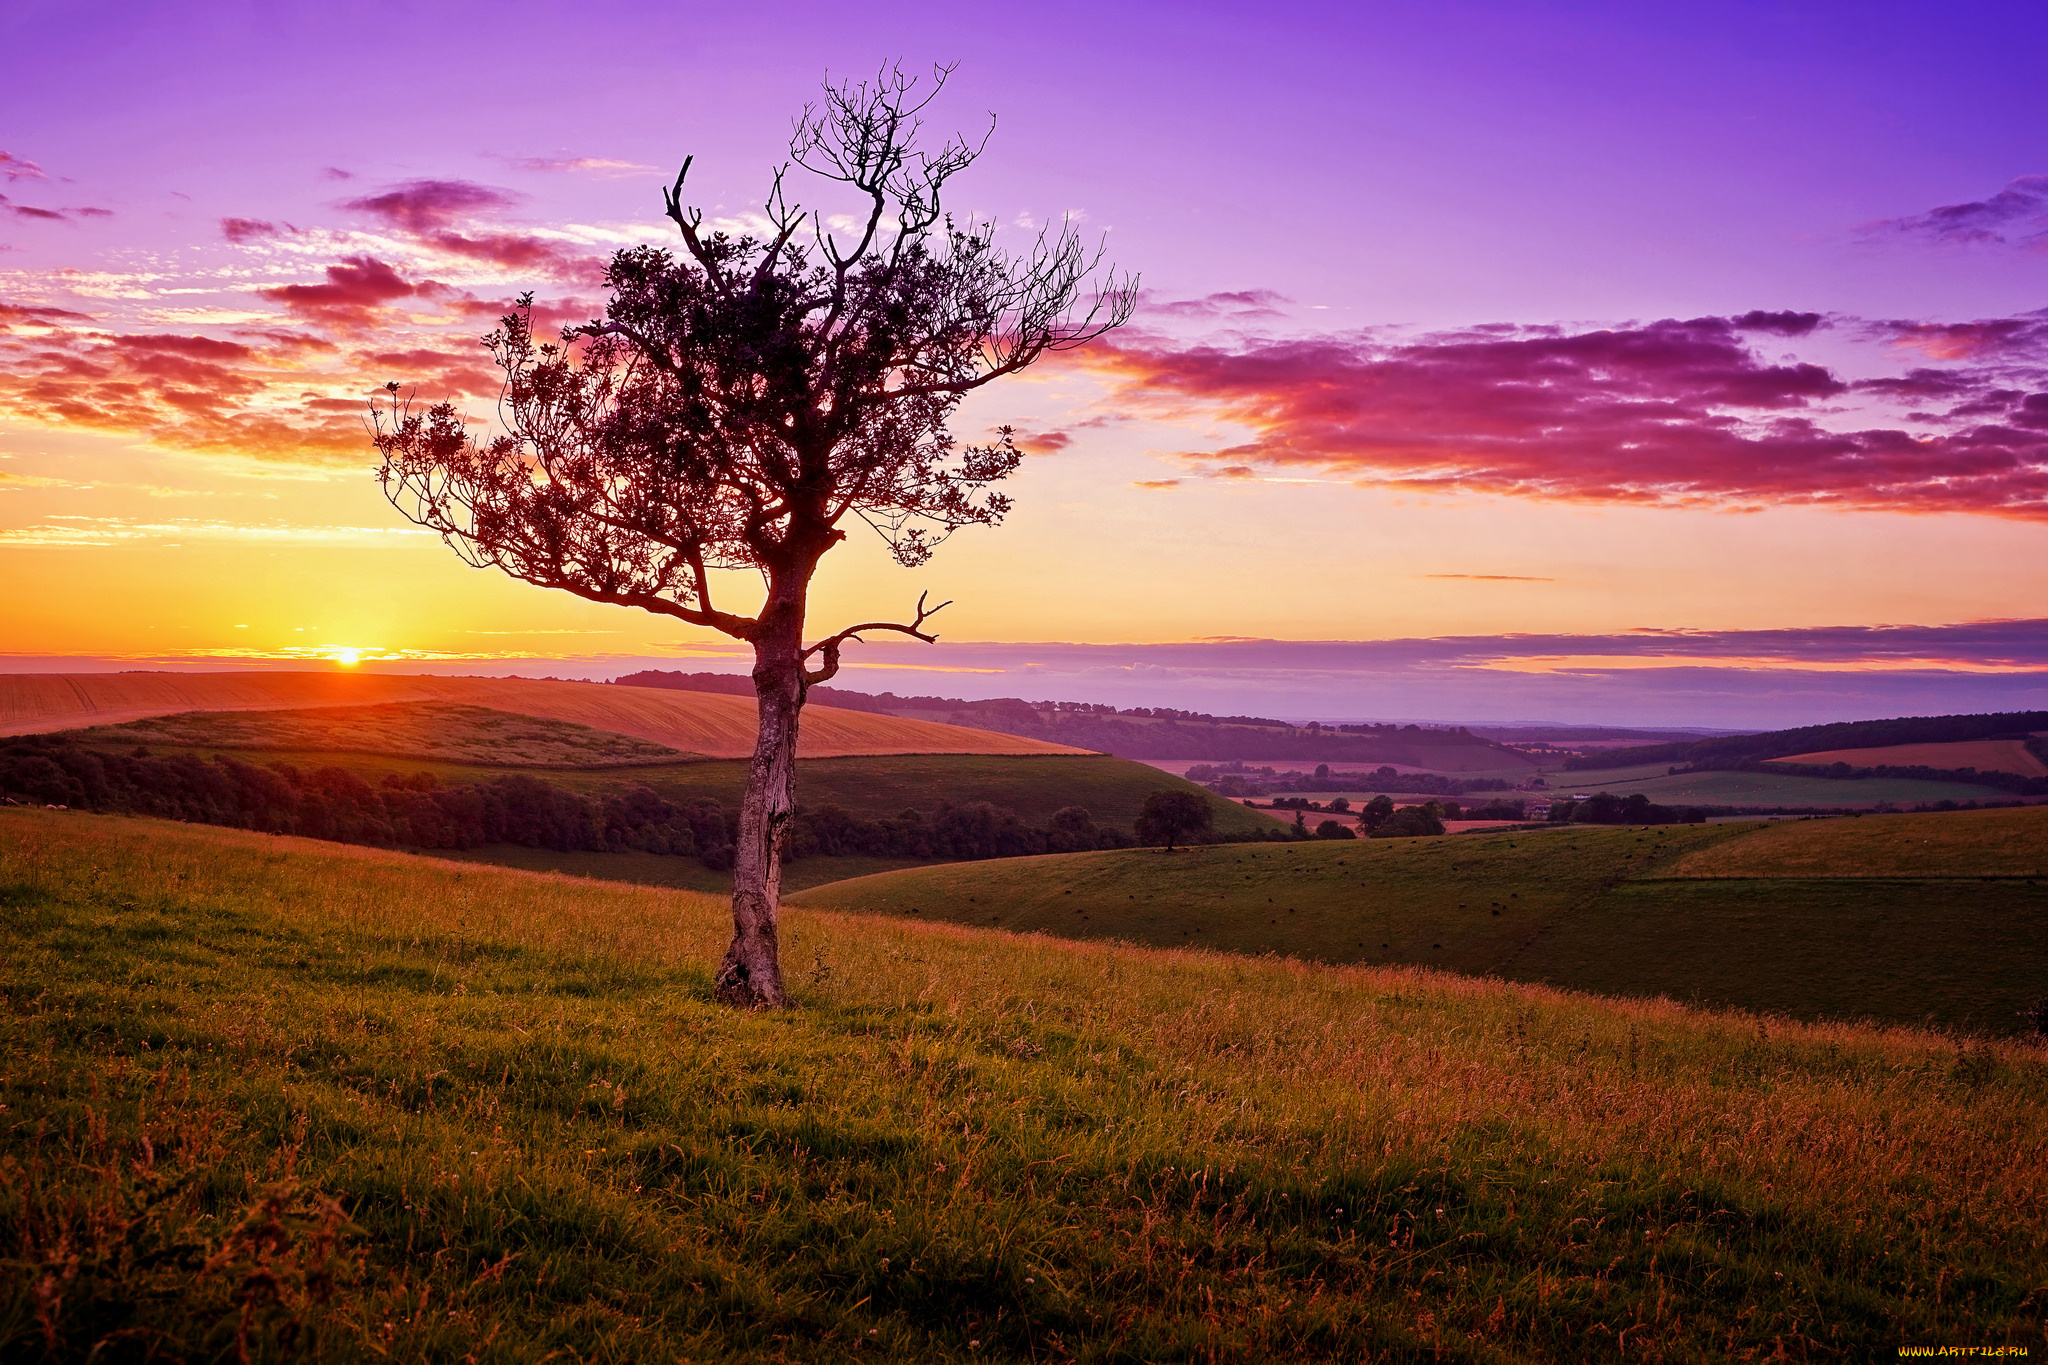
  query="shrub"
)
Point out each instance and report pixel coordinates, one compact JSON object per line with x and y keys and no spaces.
{"x":1334,"y":829}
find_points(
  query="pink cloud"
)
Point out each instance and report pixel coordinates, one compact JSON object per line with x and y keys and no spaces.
{"x":519,"y":252}
{"x":440,"y":214}
{"x":243,"y":230}
{"x":356,"y":290}
{"x":18,"y":315}
{"x":29,"y":211}
{"x":1679,"y":413}
{"x":20,"y":168}
{"x":423,"y":205}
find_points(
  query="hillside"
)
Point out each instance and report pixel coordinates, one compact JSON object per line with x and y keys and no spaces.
{"x":1985,"y":755}
{"x":1956,"y":931}
{"x":1766,"y":787}
{"x":440,"y":1112}
{"x":486,"y":785}
{"x":444,"y":732}
{"x":1161,"y":732}
{"x":691,"y":722}
{"x":1815,"y":739}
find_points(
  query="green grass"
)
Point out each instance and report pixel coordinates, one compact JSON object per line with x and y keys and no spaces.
{"x":1958,"y":953}
{"x":2012,"y":842}
{"x":1593,"y":908}
{"x":652,"y":869}
{"x":444,"y":731}
{"x":388,"y":1107}
{"x":1770,"y":789}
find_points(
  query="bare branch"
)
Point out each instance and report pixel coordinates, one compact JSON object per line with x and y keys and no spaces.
{"x":829,"y":646}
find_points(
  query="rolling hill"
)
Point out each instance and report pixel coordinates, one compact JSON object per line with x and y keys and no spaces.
{"x":444,"y":732}
{"x":1905,"y":918}
{"x":1721,"y":750}
{"x":266,"y":1094}
{"x":1163,"y":732}
{"x":1985,"y":755}
{"x":692,"y":722}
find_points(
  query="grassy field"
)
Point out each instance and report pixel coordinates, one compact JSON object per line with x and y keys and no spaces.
{"x":443,"y":731}
{"x":692,"y":722}
{"x":683,"y":874}
{"x":260,"y":1090}
{"x":1985,"y":755}
{"x":1955,"y":933}
{"x":1769,"y":789}
{"x":1985,"y":843}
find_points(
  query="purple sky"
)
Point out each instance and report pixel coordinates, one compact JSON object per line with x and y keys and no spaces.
{"x":1463,"y":321}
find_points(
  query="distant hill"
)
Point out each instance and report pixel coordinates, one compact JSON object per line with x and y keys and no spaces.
{"x":1982,"y":755}
{"x":693,"y":722}
{"x":1904,"y":918}
{"x":444,"y":731}
{"x":1825,"y":750}
{"x":1152,"y":732}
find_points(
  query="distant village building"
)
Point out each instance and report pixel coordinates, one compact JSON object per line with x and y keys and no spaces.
{"x":1538,"y":810}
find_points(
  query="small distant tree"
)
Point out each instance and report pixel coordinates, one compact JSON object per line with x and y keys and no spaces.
{"x":1375,"y":812}
{"x":1170,"y":815}
{"x":1334,"y":829}
{"x":1409,"y":822}
{"x":740,"y":404}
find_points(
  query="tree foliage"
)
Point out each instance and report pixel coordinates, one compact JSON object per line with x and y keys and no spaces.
{"x":1171,"y":817}
{"x":741,"y":402}
{"x":743,"y":398}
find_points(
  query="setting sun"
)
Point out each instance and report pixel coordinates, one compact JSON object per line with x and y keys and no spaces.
{"x":348,"y":656}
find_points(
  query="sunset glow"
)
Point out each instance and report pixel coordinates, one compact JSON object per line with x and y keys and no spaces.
{"x":1434,"y":344}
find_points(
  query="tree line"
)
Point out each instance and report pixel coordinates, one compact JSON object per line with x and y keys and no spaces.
{"x":414,"y":810}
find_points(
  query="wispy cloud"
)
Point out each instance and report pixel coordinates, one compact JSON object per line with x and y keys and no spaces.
{"x":589,"y":165}
{"x":2016,"y":216}
{"x":20,"y":168}
{"x":423,"y":205}
{"x":1230,"y":305}
{"x":446,"y":216}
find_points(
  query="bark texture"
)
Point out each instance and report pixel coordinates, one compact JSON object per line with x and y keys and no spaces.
{"x":751,"y":974}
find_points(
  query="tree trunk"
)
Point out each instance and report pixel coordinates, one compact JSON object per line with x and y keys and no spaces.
{"x":751,"y":975}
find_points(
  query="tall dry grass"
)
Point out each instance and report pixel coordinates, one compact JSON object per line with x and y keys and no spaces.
{"x":1448,"y":1166}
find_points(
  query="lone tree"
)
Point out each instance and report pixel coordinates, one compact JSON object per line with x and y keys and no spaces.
{"x":739,"y":401}
{"x":1171,"y":815}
